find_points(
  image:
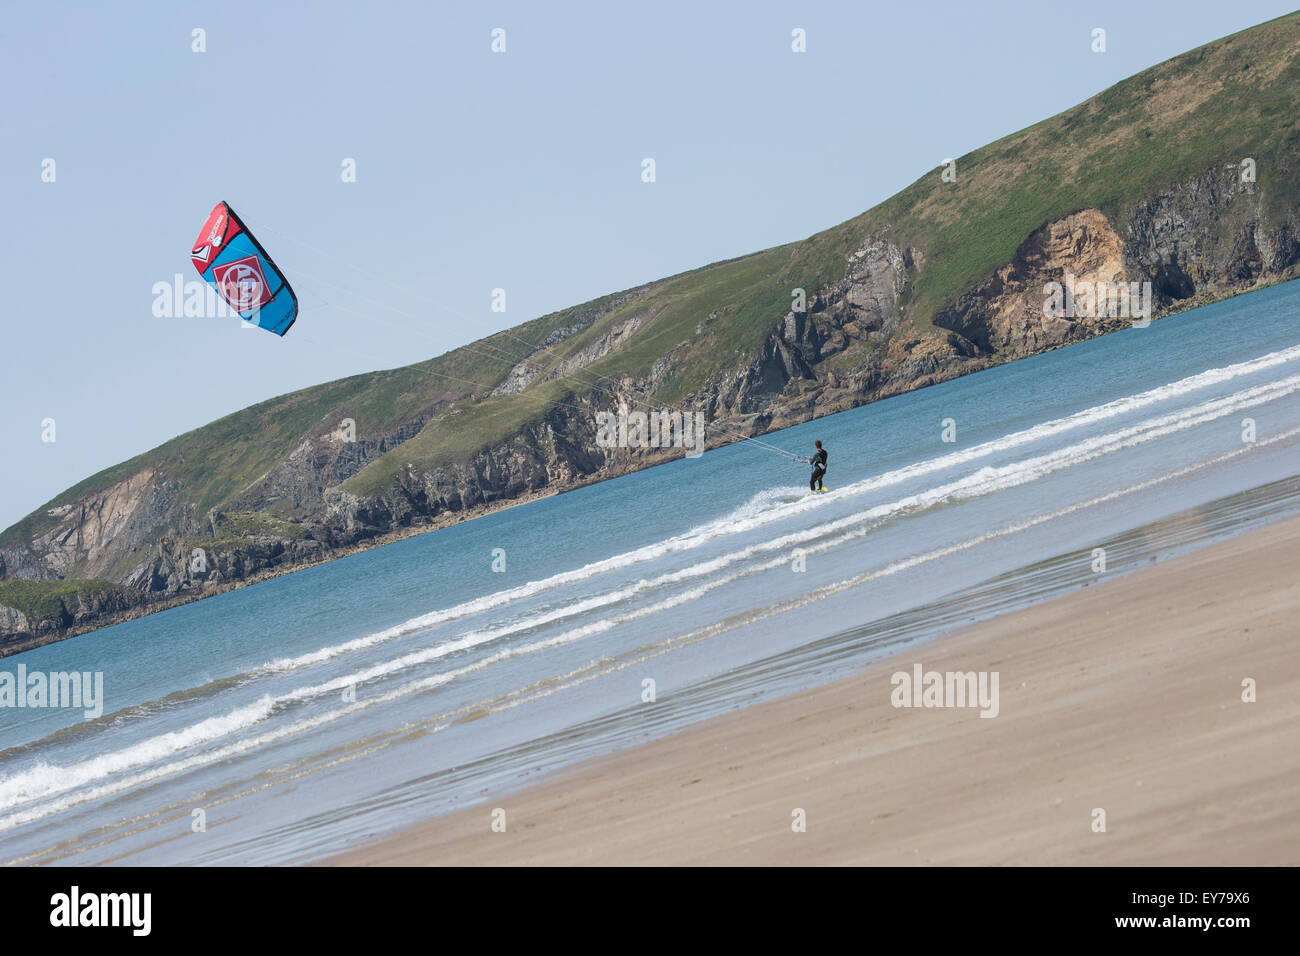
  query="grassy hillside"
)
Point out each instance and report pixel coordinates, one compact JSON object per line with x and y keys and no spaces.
{"x":40,"y":600}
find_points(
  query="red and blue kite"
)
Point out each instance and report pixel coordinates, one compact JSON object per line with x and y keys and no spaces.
{"x":227,"y":256}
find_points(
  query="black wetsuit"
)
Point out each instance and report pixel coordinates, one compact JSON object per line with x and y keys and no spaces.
{"x":819,"y":469}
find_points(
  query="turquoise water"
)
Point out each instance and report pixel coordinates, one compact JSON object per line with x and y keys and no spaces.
{"x":324,"y":707}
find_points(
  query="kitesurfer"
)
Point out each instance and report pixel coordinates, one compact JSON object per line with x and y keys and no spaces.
{"x":818,"y":462}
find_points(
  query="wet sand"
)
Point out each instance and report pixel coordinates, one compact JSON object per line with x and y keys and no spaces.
{"x":1125,"y":696}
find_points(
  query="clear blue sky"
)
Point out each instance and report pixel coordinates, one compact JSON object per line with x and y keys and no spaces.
{"x":474,"y":170}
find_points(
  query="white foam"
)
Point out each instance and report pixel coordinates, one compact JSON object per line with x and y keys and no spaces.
{"x":43,"y":779}
{"x":767,"y":506}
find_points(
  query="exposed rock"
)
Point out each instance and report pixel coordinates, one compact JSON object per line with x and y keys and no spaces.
{"x":1210,"y":233}
{"x":1209,"y":236}
{"x":531,"y":368}
{"x":1005,"y":313}
{"x":13,"y":622}
{"x":560,"y":449}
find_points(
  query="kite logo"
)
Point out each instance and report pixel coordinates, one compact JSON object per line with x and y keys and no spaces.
{"x":242,"y":284}
{"x":201,"y":253}
{"x":214,"y":237}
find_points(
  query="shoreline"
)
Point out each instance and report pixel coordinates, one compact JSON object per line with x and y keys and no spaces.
{"x":17,"y":645}
{"x":1124,"y":696}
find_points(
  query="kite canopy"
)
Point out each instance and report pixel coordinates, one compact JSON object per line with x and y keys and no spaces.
{"x":227,"y":256}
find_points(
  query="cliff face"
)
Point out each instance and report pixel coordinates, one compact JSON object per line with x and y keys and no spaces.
{"x":1004,"y":315}
{"x":553,"y":454}
{"x":1141,"y":184}
{"x":1203,"y":239}
{"x":1212,"y":234}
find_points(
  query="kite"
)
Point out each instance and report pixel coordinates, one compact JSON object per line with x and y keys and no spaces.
{"x":228,"y":257}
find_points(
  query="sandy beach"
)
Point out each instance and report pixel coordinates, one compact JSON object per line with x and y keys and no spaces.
{"x":1125,"y":696}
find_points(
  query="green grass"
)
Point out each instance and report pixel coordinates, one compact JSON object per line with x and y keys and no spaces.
{"x":43,"y":600}
{"x":248,"y":523}
{"x":225,"y":542}
{"x":459,"y":433}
